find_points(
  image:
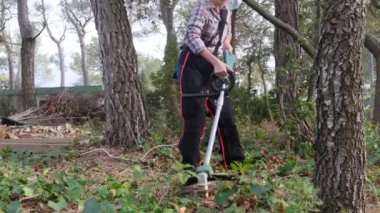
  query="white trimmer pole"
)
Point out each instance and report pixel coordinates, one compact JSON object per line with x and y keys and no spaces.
{"x":214,"y":128}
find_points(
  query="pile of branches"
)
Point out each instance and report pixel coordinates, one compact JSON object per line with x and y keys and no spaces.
{"x":27,"y":131}
{"x":62,"y":108}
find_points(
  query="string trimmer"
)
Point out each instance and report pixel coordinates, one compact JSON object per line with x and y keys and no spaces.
{"x":220,"y":86}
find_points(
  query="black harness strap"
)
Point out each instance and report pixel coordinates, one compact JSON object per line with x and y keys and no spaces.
{"x":222,"y":24}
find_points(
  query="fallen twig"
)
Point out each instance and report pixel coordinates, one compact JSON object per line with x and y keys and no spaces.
{"x":141,"y":160}
{"x":24,"y":199}
{"x":109,"y":155}
{"x":156,"y":147}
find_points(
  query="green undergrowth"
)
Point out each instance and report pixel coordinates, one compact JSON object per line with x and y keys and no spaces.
{"x":273,"y":179}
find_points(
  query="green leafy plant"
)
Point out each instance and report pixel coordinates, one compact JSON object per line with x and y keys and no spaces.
{"x":373,"y":143}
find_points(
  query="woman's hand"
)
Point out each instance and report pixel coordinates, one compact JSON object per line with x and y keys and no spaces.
{"x":227,"y":46}
{"x":221,"y":69}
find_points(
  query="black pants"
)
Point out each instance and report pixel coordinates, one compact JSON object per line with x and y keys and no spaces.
{"x":194,"y":78}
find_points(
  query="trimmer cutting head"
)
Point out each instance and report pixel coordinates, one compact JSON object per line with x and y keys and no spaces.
{"x":206,"y":174}
{"x":207,"y":183}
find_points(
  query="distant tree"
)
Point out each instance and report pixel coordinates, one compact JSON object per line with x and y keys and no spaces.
{"x":79,"y":15}
{"x":57,"y":40}
{"x":372,"y":42}
{"x":374,"y":46}
{"x":287,"y":52}
{"x":126,"y":120}
{"x":254,"y":40}
{"x":147,"y":66}
{"x":28,"y":45}
{"x":9,"y":51}
{"x":340,"y":154}
{"x":5,"y":16}
{"x":43,"y":69}
{"x":163,"y":80}
{"x":94,"y":64}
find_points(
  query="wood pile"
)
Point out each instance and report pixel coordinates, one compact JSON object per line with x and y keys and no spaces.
{"x":53,"y":118}
{"x":67,"y":107}
{"x":28,"y":131}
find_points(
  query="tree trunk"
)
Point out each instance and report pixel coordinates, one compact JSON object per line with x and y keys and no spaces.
{"x":83,"y":58}
{"x":376,"y":109}
{"x":8,"y":49}
{"x":126,"y":120}
{"x":233,"y":30}
{"x":249,"y":75}
{"x":313,"y":76}
{"x":262,"y":72}
{"x":286,"y":54}
{"x":340,"y":154}
{"x":8,"y":46}
{"x":170,"y":60}
{"x":62,"y":68}
{"x":28,"y":44}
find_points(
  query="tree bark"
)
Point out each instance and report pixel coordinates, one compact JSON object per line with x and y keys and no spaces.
{"x":28,"y":44}
{"x":340,"y":154}
{"x":126,"y":120}
{"x":286,"y":53}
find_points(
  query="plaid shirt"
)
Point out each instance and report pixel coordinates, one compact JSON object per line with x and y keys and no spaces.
{"x":202,"y":28}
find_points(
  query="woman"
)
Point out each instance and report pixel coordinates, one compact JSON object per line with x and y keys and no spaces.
{"x":199,"y":58}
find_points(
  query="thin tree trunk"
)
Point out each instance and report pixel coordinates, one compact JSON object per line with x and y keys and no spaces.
{"x":249,"y":75}
{"x":340,"y":153}
{"x":7,"y":44}
{"x":57,"y":42}
{"x":313,"y":75}
{"x":376,"y":111}
{"x":262,"y":72}
{"x":126,"y":120}
{"x":233,"y":30}
{"x":11,"y":68}
{"x":62,"y":67}
{"x":373,"y":44}
{"x":83,"y":59}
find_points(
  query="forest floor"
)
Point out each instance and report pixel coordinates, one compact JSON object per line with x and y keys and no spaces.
{"x":90,"y":178}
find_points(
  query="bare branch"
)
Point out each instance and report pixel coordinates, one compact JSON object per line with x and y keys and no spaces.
{"x":43,"y":11}
{"x":39,"y":33}
{"x":284,"y":26}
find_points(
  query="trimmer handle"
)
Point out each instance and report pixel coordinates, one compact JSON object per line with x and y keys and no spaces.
{"x":217,"y":83}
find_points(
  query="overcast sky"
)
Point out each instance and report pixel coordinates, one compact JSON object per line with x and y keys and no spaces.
{"x":148,"y":45}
